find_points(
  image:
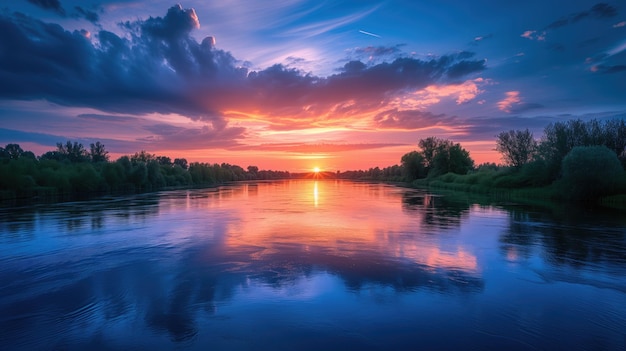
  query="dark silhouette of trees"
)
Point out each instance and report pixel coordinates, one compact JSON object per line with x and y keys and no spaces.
{"x":561,"y":137}
{"x":437,"y":157}
{"x":590,"y":172}
{"x":253,"y":169}
{"x":429,"y":147}
{"x":142,"y":156}
{"x":442,"y":156}
{"x":98,"y":153}
{"x":13,"y":151}
{"x":181,"y":162}
{"x":413,"y":166}
{"x":581,"y":158}
{"x":451,"y":158}
{"x":518,"y":147}
{"x":164,"y":160}
{"x":73,"y":152}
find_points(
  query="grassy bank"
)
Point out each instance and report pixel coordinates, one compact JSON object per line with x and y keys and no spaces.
{"x":514,"y":187}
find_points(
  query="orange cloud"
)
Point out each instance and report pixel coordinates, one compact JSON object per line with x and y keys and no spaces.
{"x":533,"y":35}
{"x":434,"y":93}
{"x":512,"y":98}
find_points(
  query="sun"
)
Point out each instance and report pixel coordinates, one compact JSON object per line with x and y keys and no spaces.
{"x":316,"y":169}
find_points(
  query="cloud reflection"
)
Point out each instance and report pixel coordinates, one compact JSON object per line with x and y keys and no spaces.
{"x":171,"y":262}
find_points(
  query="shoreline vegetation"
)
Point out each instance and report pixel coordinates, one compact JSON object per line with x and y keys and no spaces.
{"x":574,"y":161}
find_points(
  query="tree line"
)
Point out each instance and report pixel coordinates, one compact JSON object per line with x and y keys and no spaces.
{"x":71,"y":170}
{"x":581,"y":159}
{"x":585,"y":160}
{"x":573,"y":160}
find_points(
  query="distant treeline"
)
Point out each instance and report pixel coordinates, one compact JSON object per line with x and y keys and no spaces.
{"x":574,"y":160}
{"x":73,"y":171}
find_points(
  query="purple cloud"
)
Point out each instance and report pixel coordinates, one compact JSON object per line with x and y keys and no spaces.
{"x":597,"y":11}
{"x":159,"y":67}
{"x":50,"y":5}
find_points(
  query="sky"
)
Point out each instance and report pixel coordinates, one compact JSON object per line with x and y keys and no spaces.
{"x":296,"y":84}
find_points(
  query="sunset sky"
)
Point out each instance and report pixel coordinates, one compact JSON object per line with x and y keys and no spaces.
{"x":296,"y":84}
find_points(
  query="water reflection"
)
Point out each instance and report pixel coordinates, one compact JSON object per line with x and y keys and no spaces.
{"x":276,"y":265}
{"x":437,"y":211}
{"x":583,"y":243}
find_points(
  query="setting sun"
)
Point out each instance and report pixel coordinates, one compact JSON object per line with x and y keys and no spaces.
{"x":316,"y":170}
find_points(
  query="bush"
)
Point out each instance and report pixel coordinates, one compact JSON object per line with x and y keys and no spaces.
{"x":590,"y":172}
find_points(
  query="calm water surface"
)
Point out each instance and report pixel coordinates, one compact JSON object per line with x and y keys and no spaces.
{"x":310,"y":265}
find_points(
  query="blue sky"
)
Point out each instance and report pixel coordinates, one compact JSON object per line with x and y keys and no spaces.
{"x":296,"y":84}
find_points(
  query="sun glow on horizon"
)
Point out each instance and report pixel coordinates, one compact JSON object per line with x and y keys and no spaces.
{"x":316,"y":169}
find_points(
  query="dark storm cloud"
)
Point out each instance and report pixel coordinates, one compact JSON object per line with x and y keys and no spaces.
{"x":179,"y":138}
{"x":465,"y":67}
{"x":40,"y":138}
{"x":112,"y":145}
{"x":597,"y":11}
{"x":50,"y":5}
{"x":159,"y":67}
{"x":90,"y":16}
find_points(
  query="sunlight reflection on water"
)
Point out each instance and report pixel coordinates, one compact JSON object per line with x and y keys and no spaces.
{"x":308,"y":265}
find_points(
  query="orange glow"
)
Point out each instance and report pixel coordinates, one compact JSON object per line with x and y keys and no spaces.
{"x":434,"y":94}
{"x":316,"y":170}
{"x":512,"y":98}
{"x":314,"y":221}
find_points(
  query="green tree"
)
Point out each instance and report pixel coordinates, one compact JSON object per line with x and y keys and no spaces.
{"x":164,"y":160}
{"x":52,"y":155}
{"x":518,"y":147}
{"x":561,"y":137}
{"x":442,"y":156}
{"x":430,"y":146}
{"x":155,"y":177}
{"x":84,"y":178}
{"x":615,"y":138}
{"x":113,"y":174}
{"x":29,"y":155}
{"x":590,"y":172}
{"x":98,"y":153}
{"x":413,"y":165}
{"x":142,"y":156}
{"x":181,"y":162}
{"x":253,"y":169}
{"x":13,"y":151}
{"x":73,"y":152}
{"x":452,"y":159}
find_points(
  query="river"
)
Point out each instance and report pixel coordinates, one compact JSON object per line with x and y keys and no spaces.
{"x":310,"y":265}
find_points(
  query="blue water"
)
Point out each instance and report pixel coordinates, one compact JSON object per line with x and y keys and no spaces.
{"x":310,"y":265}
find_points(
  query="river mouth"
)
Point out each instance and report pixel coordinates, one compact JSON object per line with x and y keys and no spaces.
{"x":305,"y":264}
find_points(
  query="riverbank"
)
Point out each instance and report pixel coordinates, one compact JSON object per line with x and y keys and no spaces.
{"x":50,"y":195}
{"x":555,"y":193}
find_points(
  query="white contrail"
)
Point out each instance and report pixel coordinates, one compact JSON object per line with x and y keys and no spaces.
{"x":368,"y":33}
